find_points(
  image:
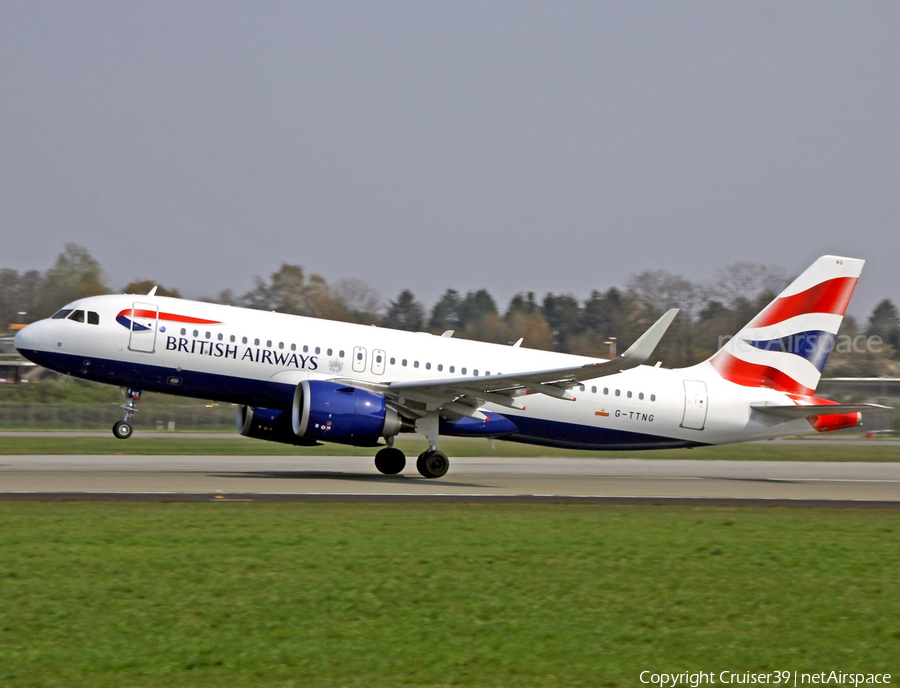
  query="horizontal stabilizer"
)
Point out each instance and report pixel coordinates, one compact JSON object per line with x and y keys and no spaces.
{"x":791,"y":411}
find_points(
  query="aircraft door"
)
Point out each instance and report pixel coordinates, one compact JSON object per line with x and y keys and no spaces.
{"x":695,"y":401}
{"x":378,"y":362}
{"x":143,"y":320}
{"x":359,"y":359}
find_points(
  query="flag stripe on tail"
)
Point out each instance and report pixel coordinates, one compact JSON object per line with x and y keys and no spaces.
{"x":755,"y":375}
{"x":831,"y":296}
{"x":814,"y":346}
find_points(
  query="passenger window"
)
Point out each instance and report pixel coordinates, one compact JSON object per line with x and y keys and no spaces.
{"x":77,"y":316}
{"x":452,"y":369}
{"x":221,"y":336}
{"x":606,"y":390}
{"x":359,"y":355}
{"x":231,"y":339}
{"x":341,"y":354}
{"x":403,"y":362}
{"x":463,"y":371}
{"x":243,"y":340}
{"x":629,"y":395}
{"x":641,"y":396}
{"x":318,"y":350}
{"x":196,"y":333}
{"x":280,"y":345}
{"x":593,"y":390}
{"x":183,"y":331}
{"x":93,"y":318}
{"x":208,"y":334}
{"x":293,"y":347}
{"x":256,"y":342}
{"x":618,"y":393}
{"x":393,"y":361}
{"x":440,"y":366}
{"x":269,"y":344}
{"x":652,"y":397}
{"x":475,"y":372}
{"x":305,"y":349}
{"x":581,"y":387}
{"x":415,"y":364}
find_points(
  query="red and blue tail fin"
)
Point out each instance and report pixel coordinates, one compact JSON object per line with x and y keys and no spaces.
{"x":785,"y":347}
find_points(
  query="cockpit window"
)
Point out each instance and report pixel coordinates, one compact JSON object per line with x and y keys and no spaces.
{"x":77,"y":316}
{"x":61,"y":315}
{"x":93,"y":318}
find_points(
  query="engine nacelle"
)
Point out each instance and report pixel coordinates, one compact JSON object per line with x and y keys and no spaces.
{"x":332,"y":412}
{"x":269,"y":424}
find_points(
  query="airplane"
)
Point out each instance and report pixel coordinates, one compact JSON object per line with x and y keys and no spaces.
{"x":304,"y":381}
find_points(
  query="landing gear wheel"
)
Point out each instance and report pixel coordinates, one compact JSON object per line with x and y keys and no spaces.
{"x":390,"y":461}
{"x":433,"y":463}
{"x":122,"y":430}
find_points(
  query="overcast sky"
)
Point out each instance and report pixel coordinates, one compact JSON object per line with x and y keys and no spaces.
{"x":515,"y":146}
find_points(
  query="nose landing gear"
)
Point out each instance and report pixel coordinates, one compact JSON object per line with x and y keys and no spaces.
{"x":122,"y":428}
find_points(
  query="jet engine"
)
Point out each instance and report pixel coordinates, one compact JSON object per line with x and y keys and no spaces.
{"x":269,"y":424}
{"x":333,"y":412}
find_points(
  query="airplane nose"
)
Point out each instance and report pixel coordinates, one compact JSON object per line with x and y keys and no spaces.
{"x":26,"y":338}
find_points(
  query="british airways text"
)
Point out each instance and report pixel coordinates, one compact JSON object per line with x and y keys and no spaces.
{"x":202,"y":347}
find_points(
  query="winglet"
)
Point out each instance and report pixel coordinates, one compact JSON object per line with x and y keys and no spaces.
{"x":634,"y":355}
{"x":643,"y":348}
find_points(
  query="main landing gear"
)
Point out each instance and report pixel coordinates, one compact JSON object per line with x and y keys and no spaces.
{"x":431,"y":463}
{"x":390,"y":460}
{"x":122,"y":428}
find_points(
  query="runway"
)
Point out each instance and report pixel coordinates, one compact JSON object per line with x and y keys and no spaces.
{"x":499,"y":480}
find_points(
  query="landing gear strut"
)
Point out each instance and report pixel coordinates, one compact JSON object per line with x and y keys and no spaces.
{"x":122,"y":428}
{"x":431,"y":463}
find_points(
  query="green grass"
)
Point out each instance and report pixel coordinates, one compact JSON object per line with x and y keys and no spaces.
{"x":439,"y":595}
{"x":240,"y":446}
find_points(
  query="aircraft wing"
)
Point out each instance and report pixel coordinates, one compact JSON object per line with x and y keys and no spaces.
{"x":460,"y":397}
{"x":793,"y":411}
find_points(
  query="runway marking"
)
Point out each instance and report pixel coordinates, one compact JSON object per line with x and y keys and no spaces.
{"x":222,"y":497}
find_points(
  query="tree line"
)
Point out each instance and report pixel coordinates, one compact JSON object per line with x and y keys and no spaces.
{"x":603,"y":323}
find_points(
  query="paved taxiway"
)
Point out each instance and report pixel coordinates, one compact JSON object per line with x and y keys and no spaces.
{"x":471,"y":479}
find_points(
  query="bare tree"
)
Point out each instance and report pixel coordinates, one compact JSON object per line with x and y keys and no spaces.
{"x":361,"y":300}
{"x":747,"y":281}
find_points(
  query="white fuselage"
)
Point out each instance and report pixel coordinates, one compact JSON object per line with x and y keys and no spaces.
{"x":258,"y":358}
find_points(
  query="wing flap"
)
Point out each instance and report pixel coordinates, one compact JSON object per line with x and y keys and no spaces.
{"x":635,"y":355}
{"x":462,"y":396}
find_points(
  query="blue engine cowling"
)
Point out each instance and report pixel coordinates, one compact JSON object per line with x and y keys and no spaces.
{"x":332,"y":412}
{"x":269,"y":424}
